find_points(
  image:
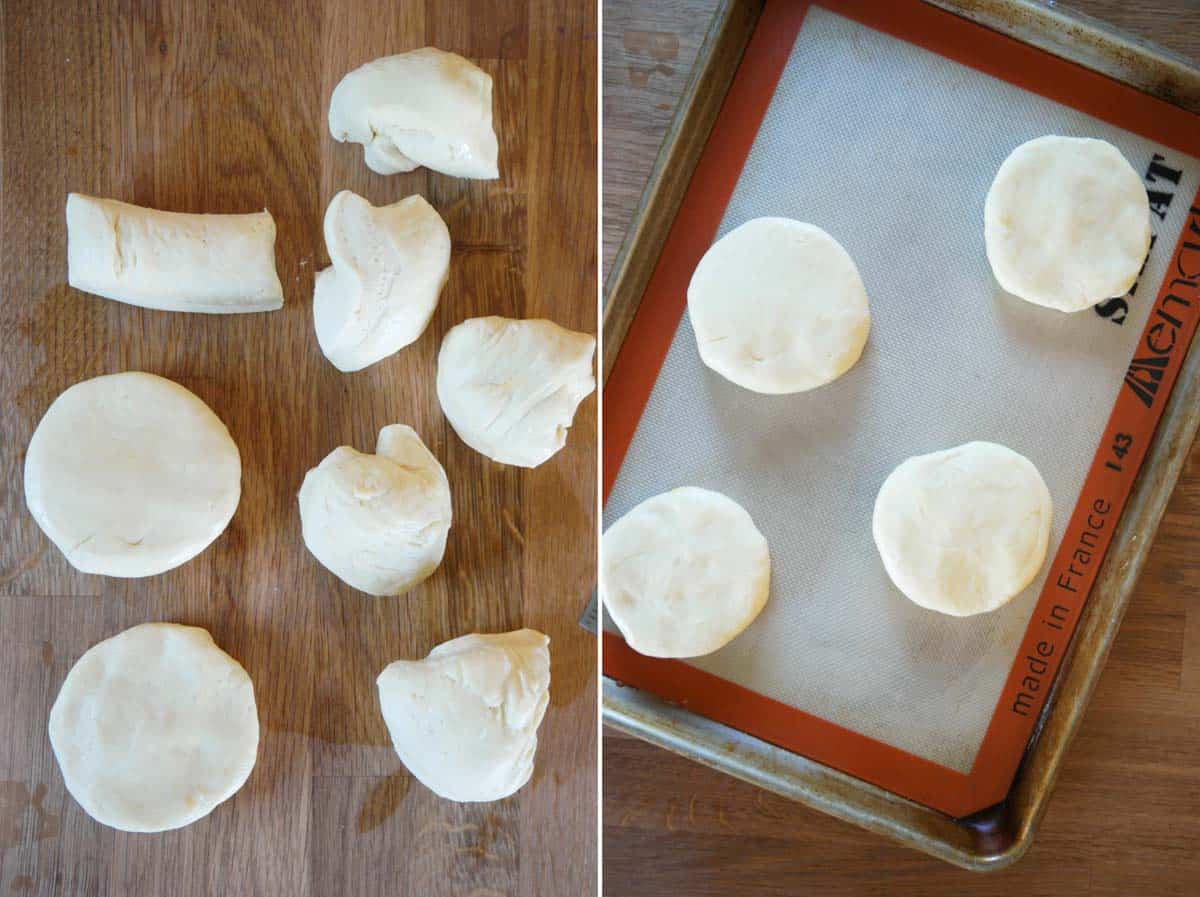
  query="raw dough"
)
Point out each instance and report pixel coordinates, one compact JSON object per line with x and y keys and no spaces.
{"x":965,"y":530}
{"x":778,"y":307}
{"x":130,"y":475}
{"x":170,"y":260}
{"x":378,"y":522}
{"x":426,"y":107}
{"x":389,"y":266}
{"x":154,"y":727}
{"x":464,"y":720}
{"x":1067,"y":223}
{"x":684,"y":572}
{"x":510,"y":388}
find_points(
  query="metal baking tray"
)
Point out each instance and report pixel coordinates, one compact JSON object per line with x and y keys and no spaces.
{"x":998,"y":836}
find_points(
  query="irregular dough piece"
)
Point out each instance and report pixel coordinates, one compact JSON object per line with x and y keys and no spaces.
{"x":965,"y":530}
{"x":378,"y":522}
{"x":131,"y":475}
{"x":154,"y":727}
{"x":684,"y":572}
{"x":426,"y":107}
{"x":170,"y":260}
{"x":511,"y":388}
{"x":1066,"y":223}
{"x":464,"y":720}
{"x":389,"y":266}
{"x":778,"y":307}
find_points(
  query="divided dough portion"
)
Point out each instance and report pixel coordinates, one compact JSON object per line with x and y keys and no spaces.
{"x":154,"y":727}
{"x":511,"y":388}
{"x":1066,"y":223}
{"x":464,"y":720}
{"x":778,"y":306}
{"x":378,"y":522}
{"x":684,"y":572}
{"x":965,"y":530}
{"x":426,"y":107}
{"x":131,"y":474}
{"x":389,"y":265}
{"x":172,"y":261}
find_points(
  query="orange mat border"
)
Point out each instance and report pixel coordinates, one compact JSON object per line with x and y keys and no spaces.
{"x":1172,"y":322}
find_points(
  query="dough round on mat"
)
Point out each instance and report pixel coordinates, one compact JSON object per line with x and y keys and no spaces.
{"x":778,"y":307}
{"x":154,"y":727}
{"x":965,"y":530}
{"x":378,"y":522}
{"x":1067,"y":223}
{"x":510,"y":388}
{"x":464,"y":720}
{"x":684,"y":572}
{"x":130,"y":475}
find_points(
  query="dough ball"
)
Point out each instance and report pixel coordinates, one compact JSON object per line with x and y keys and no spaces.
{"x":388,"y":268}
{"x":684,"y":572}
{"x":510,"y":388}
{"x":154,"y":727}
{"x":963,"y":531}
{"x":425,"y":107}
{"x":464,"y":720}
{"x":778,"y":307}
{"x":378,"y":522}
{"x":131,"y":475}
{"x":1067,"y":223}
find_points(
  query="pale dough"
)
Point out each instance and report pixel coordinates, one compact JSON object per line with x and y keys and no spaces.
{"x":778,"y":306}
{"x":464,"y":720}
{"x":1066,"y":223}
{"x":425,"y":107}
{"x":131,"y":474}
{"x":154,"y":727}
{"x":389,"y":265}
{"x":172,"y":261}
{"x":963,"y":531}
{"x":510,"y":388}
{"x":378,"y":522}
{"x":684,"y":572}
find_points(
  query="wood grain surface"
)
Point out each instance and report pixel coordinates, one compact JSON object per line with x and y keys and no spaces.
{"x":207,"y":107}
{"x":1125,"y":815}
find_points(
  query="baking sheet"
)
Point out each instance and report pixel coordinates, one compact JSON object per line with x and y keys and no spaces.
{"x":891,"y":149}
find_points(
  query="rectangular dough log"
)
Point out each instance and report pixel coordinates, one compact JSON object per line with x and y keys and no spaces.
{"x":171,"y":260}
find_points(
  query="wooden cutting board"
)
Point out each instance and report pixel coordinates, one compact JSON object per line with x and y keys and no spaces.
{"x":207,"y":107}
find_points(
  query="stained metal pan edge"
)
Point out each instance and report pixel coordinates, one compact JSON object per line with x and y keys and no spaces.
{"x":1091,"y":43}
{"x":1009,"y":831}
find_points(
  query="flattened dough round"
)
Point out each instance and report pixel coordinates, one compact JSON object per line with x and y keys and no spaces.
{"x":378,"y":522}
{"x":510,"y":388}
{"x":778,"y":307}
{"x":131,"y":475}
{"x":1067,"y":223}
{"x":684,"y":572}
{"x":965,"y":530}
{"x":154,"y":727}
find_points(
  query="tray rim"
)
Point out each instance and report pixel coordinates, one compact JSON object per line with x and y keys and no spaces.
{"x":1003,"y":837}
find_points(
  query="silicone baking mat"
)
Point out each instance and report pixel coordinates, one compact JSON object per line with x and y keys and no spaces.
{"x":884,"y":124}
